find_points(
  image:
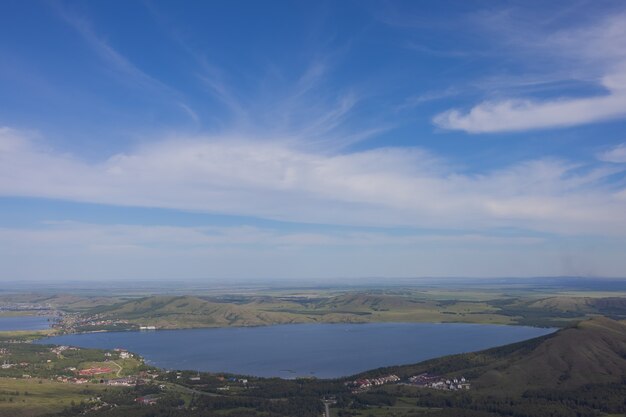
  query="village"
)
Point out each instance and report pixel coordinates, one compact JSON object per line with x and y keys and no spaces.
{"x":105,"y":367}
{"x":78,"y":366}
{"x":361,"y":385}
{"x":426,"y":380}
{"x":423,"y":380}
{"x":78,"y":323}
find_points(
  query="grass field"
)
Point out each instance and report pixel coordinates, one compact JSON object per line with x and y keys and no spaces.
{"x":20,"y":313}
{"x":24,"y":334}
{"x":404,"y":407}
{"x":33,"y":397}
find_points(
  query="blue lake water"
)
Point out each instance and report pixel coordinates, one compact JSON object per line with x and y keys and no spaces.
{"x":24,"y":323}
{"x":288,"y":351}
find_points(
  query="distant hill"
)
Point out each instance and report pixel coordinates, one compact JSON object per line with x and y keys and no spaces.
{"x":611,"y":306}
{"x":590,"y":352}
{"x":351,"y":307}
{"x":67,"y":302}
{"x":187,"y":311}
{"x":370,"y":302}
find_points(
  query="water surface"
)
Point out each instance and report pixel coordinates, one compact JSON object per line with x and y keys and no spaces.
{"x":288,"y":351}
{"x":24,"y":323}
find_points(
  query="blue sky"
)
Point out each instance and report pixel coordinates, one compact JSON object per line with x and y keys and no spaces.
{"x":254,"y":140}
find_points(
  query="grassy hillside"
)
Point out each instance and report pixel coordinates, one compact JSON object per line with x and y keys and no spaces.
{"x":186,"y":311}
{"x":590,"y":352}
{"x":67,"y":302}
{"x":28,"y":398}
{"x":353,"y":307}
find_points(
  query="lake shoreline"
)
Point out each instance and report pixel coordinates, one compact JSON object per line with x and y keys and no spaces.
{"x":321,"y":350}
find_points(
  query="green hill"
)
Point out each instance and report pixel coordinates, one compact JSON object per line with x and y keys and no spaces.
{"x":594,"y":351}
{"x":608,"y":306}
{"x":187,"y":311}
{"x":352,"y":307}
{"x":590,"y":352}
{"x":370,"y":302}
{"x":66,"y":302}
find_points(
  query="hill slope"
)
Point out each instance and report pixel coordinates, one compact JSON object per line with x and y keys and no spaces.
{"x":186,"y":311}
{"x":594,"y":351}
{"x":591,"y":352}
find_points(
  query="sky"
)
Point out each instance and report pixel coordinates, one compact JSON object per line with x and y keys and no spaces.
{"x":243,"y":140}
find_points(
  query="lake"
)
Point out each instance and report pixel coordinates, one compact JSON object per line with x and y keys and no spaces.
{"x":24,"y":323}
{"x":296,"y":350}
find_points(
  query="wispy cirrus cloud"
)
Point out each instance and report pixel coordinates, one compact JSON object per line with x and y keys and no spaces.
{"x":426,"y":97}
{"x":129,"y":73}
{"x":616,"y":155}
{"x":594,"y":52}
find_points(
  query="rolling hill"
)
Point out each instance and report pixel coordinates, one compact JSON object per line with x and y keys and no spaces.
{"x":187,"y":311}
{"x":352,"y":307}
{"x":590,"y":352}
{"x":190,"y":311}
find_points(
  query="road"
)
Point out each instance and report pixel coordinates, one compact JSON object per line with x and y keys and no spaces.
{"x":327,"y":404}
{"x":119,"y":366}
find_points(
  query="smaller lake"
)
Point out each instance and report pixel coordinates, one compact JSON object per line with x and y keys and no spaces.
{"x":24,"y":323}
{"x":296,"y":350}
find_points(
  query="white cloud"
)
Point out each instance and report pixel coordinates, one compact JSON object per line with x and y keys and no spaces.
{"x":616,"y":155}
{"x":519,"y":115}
{"x":595,"y":53}
{"x":280,"y":180}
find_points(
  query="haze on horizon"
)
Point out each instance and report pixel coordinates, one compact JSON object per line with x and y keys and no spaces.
{"x":297,"y":140}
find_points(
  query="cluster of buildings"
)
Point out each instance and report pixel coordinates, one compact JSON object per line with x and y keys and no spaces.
{"x":72,"y":380}
{"x":124,"y":354}
{"x":424,"y":380}
{"x":42,"y":308}
{"x":70,"y":323}
{"x":367,"y":383}
{"x":436,"y":382}
{"x":127,"y":381}
{"x":147,"y":400}
{"x":8,"y":365}
{"x":58,"y":350}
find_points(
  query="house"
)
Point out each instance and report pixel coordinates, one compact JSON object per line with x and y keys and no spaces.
{"x":125,"y":382}
{"x":147,"y":400}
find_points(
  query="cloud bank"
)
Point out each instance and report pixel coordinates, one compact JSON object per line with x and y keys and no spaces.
{"x":281,"y":180}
